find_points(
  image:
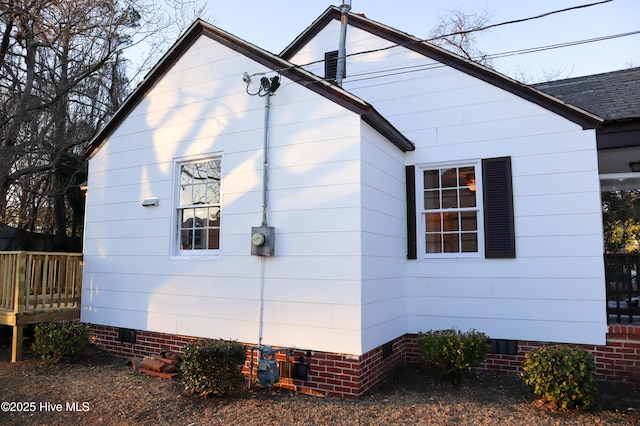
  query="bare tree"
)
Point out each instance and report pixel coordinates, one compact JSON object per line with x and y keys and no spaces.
{"x":557,"y":73}
{"x":62,"y":75}
{"x":457,"y":31}
{"x":160,"y":24}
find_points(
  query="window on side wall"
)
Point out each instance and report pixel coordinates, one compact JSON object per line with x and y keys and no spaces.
{"x":451,"y":211}
{"x":461,"y":210}
{"x":198,"y":207}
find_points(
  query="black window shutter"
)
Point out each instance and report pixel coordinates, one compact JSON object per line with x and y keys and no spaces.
{"x":412,"y":249}
{"x":499,"y":235}
{"x":331,"y":65}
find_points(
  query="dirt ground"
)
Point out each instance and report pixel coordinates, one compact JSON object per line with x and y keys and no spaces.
{"x":103,"y":390}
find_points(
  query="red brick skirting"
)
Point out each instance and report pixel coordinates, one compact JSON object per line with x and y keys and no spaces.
{"x":351,"y":376}
{"x":147,"y":343}
{"x":617,"y":362}
{"x":330,"y":374}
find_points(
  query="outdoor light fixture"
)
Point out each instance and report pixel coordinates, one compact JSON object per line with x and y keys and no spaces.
{"x":635,"y":166}
{"x":151,"y":202}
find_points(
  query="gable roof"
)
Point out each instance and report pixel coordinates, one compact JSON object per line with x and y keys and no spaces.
{"x":612,"y":95}
{"x":298,"y":75}
{"x":579,"y":116}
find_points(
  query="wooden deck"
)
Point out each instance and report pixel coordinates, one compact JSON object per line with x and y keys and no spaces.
{"x":38,"y":287}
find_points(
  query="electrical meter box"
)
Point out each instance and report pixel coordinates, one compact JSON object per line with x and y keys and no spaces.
{"x":263,"y":240}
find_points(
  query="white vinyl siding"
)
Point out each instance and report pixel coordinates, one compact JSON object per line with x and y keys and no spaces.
{"x":132,"y":276}
{"x":452,"y":117}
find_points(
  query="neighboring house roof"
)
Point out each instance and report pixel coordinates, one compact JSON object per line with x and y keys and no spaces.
{"x":586,"y":119}
{"x":612,"y":95}
{"x":285,"y":68}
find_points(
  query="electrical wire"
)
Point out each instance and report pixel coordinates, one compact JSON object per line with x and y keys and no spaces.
{"x":267,"y":85}
{"x":431,"y":39}
{"x":416,"y":68}
{"x":560,"y":45}
{"x":543,"y":15}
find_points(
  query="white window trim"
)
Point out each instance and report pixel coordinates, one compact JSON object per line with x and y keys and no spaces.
{"x":619,"y":181}
{"x":175,"y":252}
{"x":420,"y":226}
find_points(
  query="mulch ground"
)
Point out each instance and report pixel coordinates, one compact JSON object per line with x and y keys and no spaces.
{"x":104,"y":390}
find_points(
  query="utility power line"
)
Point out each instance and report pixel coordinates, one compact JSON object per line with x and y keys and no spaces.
{"x":517,"y":21}
{"x":560,"y":45}
{"x":416,"y":68}
{"x":472,"y":30}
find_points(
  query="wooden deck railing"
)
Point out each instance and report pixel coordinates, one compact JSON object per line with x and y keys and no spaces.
{"x":38,"y":287}
{"x":39,"y":281}
{"x":621,"y":272}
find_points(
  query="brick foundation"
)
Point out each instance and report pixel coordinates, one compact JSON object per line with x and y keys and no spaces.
{"x":330,"y":374}
{"x":147,"y":343}
{"x":350,"y":376}
{"x":617,"y":362}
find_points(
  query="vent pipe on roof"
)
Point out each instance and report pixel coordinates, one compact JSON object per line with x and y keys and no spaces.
{"x":346,"y":7}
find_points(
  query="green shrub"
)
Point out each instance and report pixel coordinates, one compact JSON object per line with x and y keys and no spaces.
{"x":561,"y":374}
{"x":60,"y":341}
{"x":213,"y":367}
{"x":452,"y":352}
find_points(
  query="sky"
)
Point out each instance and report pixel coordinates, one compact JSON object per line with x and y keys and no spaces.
{"x":273,"y":24}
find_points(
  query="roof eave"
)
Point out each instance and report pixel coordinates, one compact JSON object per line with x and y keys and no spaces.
{"x":269,"y":60}
{"x":386,"y":129}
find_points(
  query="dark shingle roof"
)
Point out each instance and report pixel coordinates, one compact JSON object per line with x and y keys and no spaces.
{"x":612,"y":96}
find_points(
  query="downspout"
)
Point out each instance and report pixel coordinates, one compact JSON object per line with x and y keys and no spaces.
{"x":340,"y":66}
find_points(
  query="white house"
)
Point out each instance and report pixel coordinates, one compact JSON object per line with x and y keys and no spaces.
{"x":427,"y":192}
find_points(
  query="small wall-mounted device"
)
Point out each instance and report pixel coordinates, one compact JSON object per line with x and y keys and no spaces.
{"x":263,"y":240}
{"x":149,"y":202}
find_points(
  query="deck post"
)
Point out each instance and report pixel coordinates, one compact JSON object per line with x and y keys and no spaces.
{"x":18,"y":306}
{"x":16,"y":343}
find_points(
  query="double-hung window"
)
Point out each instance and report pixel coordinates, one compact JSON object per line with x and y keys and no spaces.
{"x":461,"y":210}
{"x":198,"y":210}
{"x":451,"y":211}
